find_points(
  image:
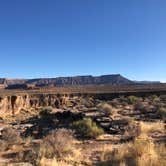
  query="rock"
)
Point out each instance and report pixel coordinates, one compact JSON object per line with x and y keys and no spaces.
{"x":104,"y":119}
{"x":2,"y":127}
{"x":105,"y":125}
{"x":152,"y":116}
{"x":120,"y":122}
{"x":113,"y":131}
{"x":13,"y":104}
{"x":1,"y":120}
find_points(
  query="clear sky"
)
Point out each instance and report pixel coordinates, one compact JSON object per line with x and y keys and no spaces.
{"x":49,"y":38}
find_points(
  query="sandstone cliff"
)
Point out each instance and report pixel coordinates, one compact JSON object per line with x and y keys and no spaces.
{"x":13,"y":104}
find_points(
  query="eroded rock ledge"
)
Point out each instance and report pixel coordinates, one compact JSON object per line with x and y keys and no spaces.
{"x":14,"y":103}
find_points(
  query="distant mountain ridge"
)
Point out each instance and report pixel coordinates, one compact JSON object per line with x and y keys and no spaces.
{"x":113,"y":79}
{"x":147,"y":82}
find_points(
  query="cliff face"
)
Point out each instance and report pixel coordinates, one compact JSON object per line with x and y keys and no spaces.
{"x":13,"y":104}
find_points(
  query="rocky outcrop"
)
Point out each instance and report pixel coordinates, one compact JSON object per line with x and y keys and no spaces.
{"x":13,"y":104}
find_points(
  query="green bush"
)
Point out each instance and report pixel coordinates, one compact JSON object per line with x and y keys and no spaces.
{"x":87,"y":128}
{"x":163,"y":98}
{"x":45,"y":112}
{"x":134,"y":99}
{"x":162,"y":113}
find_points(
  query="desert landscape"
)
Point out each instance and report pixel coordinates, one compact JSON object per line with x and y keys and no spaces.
{"x":84,"y":125}
{"x":82,"y":83}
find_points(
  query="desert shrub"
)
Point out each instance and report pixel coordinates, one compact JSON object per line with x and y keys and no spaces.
{"x":163,"y":98}
{"x":30,"y":155}
{"x":87,"y":103}
{"x":3,"y":145}
{"x":161,"y":113}
{"x":106,"y":109}
{"x":123,"y":100}
{"x":9,"y":137}
{"x":57,"y":148}
{"x":158,"y":105}
{"x":139,"y":106}
{"x":45,"y":112}
{"x":58,"y":144}
{"x":154,"y":98}
{"x":133,"y":129}
{"x":28,"y":140}
{"x":134,"y":99}
{"x":87,"y":128}
{"x":114,"y":103}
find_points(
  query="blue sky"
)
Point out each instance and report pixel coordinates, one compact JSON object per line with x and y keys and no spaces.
{"x":49,"y":38}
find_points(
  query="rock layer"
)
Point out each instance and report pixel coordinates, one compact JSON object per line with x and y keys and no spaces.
{"x":13,"y":104}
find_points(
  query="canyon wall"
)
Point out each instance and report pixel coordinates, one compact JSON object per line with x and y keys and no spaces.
{"x":14,"y":103}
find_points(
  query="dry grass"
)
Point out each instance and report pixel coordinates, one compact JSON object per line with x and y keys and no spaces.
{"x":141,"y":152}
{"x":52,"y":162}
{"x":149,"y":127}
